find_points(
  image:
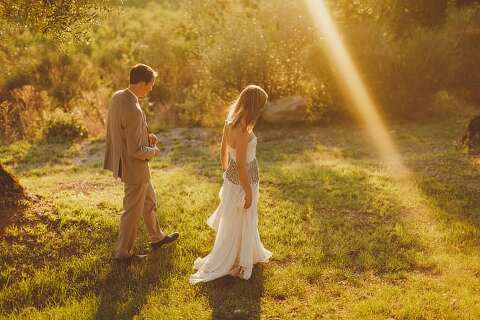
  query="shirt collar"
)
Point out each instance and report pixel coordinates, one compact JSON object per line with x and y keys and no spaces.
{"x":136,"y":98}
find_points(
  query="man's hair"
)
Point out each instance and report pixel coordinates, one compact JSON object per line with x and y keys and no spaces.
{"x":142,"y":73}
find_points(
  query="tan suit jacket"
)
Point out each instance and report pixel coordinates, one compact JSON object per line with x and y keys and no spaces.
{"x":127,"y":150}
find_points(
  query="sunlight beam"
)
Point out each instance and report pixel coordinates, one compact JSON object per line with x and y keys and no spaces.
{"x":418,"y":215}
{"x":363,"y":104}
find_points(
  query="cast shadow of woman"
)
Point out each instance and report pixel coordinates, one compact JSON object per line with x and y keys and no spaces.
{"x":232,"y":298}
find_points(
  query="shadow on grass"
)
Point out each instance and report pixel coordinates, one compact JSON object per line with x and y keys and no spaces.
{"x":353,"y":218}
{"x":275,"y":146}
{"x":448,"y":179}
{"x":232,"y":298}
{"x":451,"y":186}
{"x":345,"y":220}
{"x":42,"y":153}
{"x":127,"y":285}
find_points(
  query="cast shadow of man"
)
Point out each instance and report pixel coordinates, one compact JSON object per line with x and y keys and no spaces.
{"x":43,"y":153}
{"x":232,"y":298}
{"x":127,"y":285}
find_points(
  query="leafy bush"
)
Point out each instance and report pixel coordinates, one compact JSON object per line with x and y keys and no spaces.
{"x":63,"y":127}
{"x":405,"y":73}
{"x":206,"y":51}
{"x":21,"y":117}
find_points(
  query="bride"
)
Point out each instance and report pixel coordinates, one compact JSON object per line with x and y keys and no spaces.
{"x":237,"y":244}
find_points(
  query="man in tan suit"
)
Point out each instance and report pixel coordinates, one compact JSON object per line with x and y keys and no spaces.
{"x":129,"y":147}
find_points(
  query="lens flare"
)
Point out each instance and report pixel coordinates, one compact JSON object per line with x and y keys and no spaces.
{"x":364,"y":106}
{"x":420,"y":215}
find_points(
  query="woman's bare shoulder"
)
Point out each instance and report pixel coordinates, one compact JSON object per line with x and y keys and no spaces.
{"x":236,"y":136}
{"x":239,"y":133}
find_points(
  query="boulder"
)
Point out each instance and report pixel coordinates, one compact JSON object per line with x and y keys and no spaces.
{"x":285,"y":110}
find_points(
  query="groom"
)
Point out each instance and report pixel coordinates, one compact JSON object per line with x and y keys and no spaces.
{"x":129,"y":147}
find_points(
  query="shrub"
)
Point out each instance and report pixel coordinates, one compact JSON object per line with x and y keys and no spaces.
{"x":404,"y":74}
{"x":206,"y":51}
{"x":63,"y":127}
{"x":21,"y":116}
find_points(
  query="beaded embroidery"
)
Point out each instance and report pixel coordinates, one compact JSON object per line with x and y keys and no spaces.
{"x":232,"y":173}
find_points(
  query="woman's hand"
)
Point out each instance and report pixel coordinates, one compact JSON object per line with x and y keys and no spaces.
{"x":248,"y":200}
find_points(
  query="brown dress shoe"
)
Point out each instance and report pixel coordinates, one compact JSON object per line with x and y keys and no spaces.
{"x":168,"y":239}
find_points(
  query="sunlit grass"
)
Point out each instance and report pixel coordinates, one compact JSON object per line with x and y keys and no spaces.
{"x":427,"y":234}
{"x":344,"y":243}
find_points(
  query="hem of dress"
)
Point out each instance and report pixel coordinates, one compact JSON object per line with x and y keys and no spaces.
{"x":213,"y":276}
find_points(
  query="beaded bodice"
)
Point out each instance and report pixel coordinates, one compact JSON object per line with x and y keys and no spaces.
{"x":252,"y":168}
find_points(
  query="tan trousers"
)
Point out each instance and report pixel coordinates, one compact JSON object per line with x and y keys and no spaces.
{"x":138,"y":199}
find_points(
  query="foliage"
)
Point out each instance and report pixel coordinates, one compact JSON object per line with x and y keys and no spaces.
{"x":205,"y":52}
{"x":404,"y":73}
{"x":58,"y":19}
{"x":62,"y":127}
{"x":22,"y":116}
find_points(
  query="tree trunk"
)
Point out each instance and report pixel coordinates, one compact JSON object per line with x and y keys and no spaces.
{"x":10,"y":190}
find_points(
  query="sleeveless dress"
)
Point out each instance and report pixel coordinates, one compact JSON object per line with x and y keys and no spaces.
{"x":237,"y":244}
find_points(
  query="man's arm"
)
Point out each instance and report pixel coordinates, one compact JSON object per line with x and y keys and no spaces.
{"x":135,"y":134}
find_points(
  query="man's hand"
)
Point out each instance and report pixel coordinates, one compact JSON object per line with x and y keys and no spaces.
{"x":152,"y":140}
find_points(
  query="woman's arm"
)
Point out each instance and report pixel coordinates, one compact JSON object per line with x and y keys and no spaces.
{"x":241,"y":159}
{"x":223,"y":150}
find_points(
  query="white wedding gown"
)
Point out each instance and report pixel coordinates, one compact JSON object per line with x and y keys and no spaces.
{"x":237,"y":244}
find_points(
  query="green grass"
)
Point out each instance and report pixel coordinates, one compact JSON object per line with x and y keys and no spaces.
{"x":349,"y":240}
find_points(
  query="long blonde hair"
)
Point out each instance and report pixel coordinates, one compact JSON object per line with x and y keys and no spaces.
{"x":247,"y":107}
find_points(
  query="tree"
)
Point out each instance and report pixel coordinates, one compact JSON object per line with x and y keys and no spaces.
{"x":58,"y":19}
{"x":463,"y":3}
{"x":10,"y":190}
{"x":401,"y":15}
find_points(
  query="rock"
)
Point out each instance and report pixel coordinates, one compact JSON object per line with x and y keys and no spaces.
{"x":285,"y":110}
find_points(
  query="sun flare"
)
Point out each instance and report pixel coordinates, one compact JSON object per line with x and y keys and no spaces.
{"x":364,"y":106}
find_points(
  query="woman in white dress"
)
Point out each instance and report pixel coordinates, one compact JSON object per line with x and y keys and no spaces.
{"x":237,"y":244}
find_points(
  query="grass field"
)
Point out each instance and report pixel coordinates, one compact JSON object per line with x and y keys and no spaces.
{"x":349,"y":240}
